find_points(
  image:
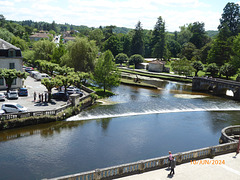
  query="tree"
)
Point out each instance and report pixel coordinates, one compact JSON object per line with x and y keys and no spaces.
{"x":198,"y":66}
{"x":227,"y":70}
{"x":159,"y":39}
{"x":188,"y":50}
{"x":182,"y":67}
{"x":136,"y":59}
{"x":81,"y":55}
{"x":174,"y":47}
{"x":10,"y":74}
{"x":96,"y":35}
{"x":137,"y":45}
{"x":20,"y":43}
{"x":49,"y":84}
{"x":231,"y":18}
{"x":43,"y":49}
{"x":199,"y":37}
{"x":184,"y":35}
{"x":6,"y":35}
{"x":121,"y":58}
{"x":113,"y":44}
{"x":106,"y":74}
{"x":213,"y":69}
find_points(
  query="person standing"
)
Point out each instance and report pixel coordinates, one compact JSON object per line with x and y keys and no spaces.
{"x":173,"y":165}
{"x":34,"y":96}
{"x":170,"y":158}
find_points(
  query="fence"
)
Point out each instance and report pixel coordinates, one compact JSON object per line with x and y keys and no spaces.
{"x":150,"y":164}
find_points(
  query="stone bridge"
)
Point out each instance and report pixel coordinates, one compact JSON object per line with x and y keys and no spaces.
{"x":216,"y":86}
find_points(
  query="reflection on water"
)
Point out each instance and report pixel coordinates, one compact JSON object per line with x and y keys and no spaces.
{"x":139,"y":124}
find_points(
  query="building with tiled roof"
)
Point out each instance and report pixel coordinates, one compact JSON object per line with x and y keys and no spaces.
{"x":156,"y":66}
{"x":38,"y":36}
{"x":10,"y":58}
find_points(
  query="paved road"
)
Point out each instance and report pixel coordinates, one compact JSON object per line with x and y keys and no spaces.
{"x":33,"y":85}
{"x":188,"y":171}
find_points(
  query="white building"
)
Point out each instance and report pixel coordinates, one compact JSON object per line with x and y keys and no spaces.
{"x":10,"y":58}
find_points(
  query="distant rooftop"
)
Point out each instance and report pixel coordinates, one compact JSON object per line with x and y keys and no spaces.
{"x":6,"y":45}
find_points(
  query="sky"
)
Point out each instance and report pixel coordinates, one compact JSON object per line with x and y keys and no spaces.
{"x":121,"y":13}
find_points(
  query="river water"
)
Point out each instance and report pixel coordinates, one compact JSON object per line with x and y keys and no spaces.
{"x":136,"y":124}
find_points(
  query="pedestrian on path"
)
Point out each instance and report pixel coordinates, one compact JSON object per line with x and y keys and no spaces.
{"x":170,"y":158}
{"x":173,"y":165}
{"x":34,"y":96}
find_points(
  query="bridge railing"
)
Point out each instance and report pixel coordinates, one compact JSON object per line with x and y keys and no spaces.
{"x":218,"y":80}
{"x":151,"y":164}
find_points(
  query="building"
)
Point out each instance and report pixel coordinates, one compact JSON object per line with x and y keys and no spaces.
{"x":38,"y":36}
{"x":156,"y":66}
{"x":10,"y":58}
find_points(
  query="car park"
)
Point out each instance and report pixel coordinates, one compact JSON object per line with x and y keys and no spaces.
{"x":60,"y":96}
{"x":13,"y":108}
{"x":12,"y":95}
{"x":22,"y":92}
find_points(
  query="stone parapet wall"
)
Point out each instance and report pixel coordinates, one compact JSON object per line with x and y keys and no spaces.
{"x":151,"y":164}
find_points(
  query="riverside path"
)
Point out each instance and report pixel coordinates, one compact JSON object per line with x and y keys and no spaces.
{"x":198,"y":170}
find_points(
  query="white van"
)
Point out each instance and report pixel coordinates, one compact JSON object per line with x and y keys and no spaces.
{"x":41,"y":76}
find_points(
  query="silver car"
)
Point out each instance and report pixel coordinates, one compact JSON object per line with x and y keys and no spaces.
{"x":13,"y":108}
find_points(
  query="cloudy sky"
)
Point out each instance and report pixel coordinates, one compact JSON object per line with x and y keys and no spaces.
{"x":122,"y":13}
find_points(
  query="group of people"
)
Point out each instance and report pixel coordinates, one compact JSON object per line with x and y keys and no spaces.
{"x":172,"y":163}
{"x":41,"y":96}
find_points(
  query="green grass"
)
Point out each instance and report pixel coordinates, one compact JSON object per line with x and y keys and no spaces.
{"x":100,"y":92}
{"x":166,"y":76}
{"x":142,"y":84}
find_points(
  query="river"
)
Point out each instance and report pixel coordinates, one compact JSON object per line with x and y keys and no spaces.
{"x":135,"y":124}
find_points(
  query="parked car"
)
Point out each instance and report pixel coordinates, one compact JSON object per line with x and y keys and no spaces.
{"x":41,"y":76}
{"x":60,"y":96}
{"x":28,"y":69}
{"x":33,"y":73}
{"x":22,"y":92}
{"x":13,"y":108}
{"x":2,"y":112}
{"x":74,"y":90}
{"x":12,"y":95}
{"x":2,"y":97}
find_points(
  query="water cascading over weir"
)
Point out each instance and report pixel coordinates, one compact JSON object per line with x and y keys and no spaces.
{"x":216,"y":86}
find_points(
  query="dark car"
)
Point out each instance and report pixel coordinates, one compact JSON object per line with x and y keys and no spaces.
{"x":60,"y":96}
{"x":28,"y":69}
{"x":22,"y":92}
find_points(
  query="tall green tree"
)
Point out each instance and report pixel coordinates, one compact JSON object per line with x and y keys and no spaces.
{"x":106,"y":74}
{"x":137,"y":45}
{"x":199,"y":37}
{"x":113,"y":44}
{"x":159,"y":39}
{"x":43,"y":49}
{"x":184,"y":35}
{"x":81,"y":55}
{"x":231,"y":18}
{"x":188,"y":50}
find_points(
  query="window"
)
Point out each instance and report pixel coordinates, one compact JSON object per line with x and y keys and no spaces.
{"x":14,"y":82}
{"x":11,"y":65}
{"x":11,"y":53}
{"x":1,"y":81}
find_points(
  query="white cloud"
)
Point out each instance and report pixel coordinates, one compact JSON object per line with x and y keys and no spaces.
{"x":125,"y":13}
{"x":6,"y":3}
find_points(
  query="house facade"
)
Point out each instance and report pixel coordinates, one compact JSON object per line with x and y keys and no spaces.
{"x":156,"y":66}
{"x":10,"y":58}
{"x":38,"y":36}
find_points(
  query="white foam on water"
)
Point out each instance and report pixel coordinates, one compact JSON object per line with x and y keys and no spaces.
{"x":102,"y":116}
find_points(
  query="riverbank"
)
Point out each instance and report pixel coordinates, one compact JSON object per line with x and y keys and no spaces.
{"x":139,"y":83}
{"x":164,"y":76}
